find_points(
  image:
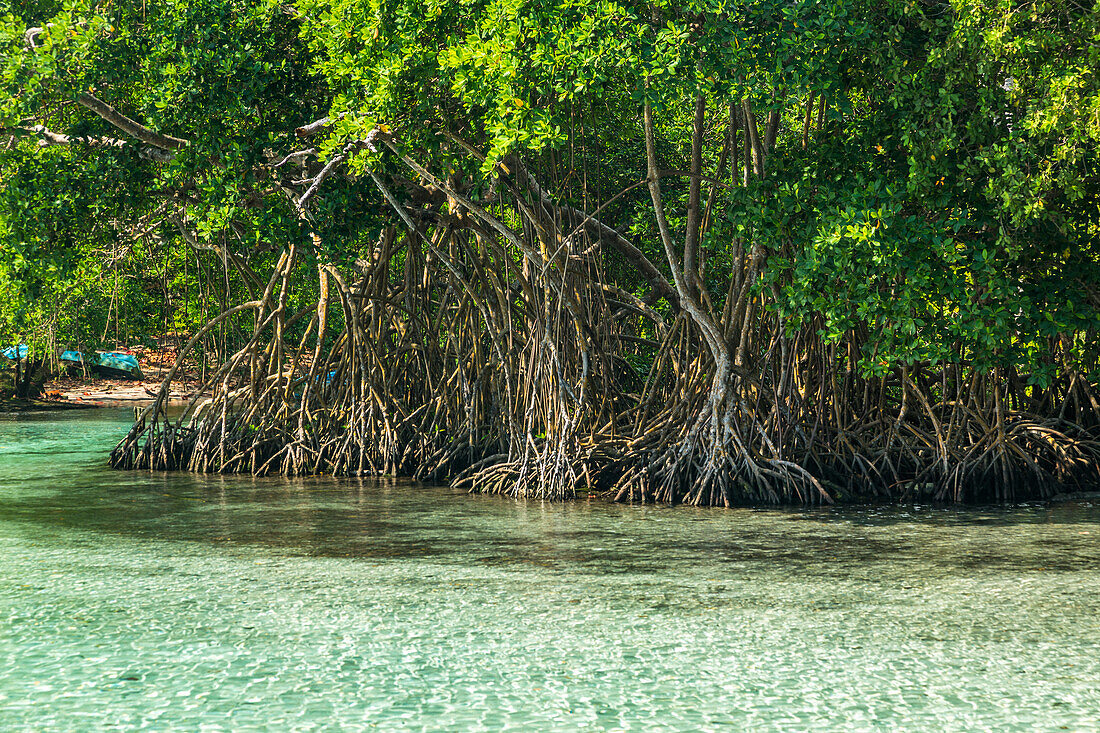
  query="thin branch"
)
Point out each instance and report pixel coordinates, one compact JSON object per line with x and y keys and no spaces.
{"x":691,"y":236}
{"x":295,"y":157}
{"x":328,"y":170}
{"x":754,"y":138}
{"x":129,"y":126}
{"x":313,"y":128}
{"x":49,"y":138}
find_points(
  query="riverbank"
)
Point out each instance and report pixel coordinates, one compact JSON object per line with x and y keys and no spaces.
{"x":67,"y":393}
{"x":108,"y":392}
{"x":13,"y":406}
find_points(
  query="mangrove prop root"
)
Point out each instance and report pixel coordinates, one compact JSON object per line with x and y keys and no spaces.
{"x":500,"y":359}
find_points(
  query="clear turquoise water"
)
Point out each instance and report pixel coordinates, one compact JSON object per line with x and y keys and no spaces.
{"x":175,"y":602}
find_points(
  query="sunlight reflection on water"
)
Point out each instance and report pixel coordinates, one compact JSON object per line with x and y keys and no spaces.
{"x":179,"y":601}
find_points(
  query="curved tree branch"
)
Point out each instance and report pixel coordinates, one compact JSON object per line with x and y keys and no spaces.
{"x":48,"y":138}
{"x":129,"y":126}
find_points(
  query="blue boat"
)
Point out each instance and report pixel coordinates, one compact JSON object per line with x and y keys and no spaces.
{"x":107,"y":364}
{"x":15,"y":353}
{"x":115,"y":364}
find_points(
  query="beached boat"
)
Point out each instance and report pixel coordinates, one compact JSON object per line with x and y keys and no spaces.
{"x":15,"y":353}
{"x":116,"y":364}
{"x":106,"y":364}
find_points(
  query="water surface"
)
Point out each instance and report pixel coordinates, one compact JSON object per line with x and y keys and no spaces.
{"x":178,"y":602}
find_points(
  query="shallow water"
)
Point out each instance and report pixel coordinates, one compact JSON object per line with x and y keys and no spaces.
{"x":177,"y":602}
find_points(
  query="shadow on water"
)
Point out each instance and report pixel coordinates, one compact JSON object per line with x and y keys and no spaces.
{"x":53,"y":479}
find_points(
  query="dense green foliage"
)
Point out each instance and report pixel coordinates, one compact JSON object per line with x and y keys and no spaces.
{"x":92,"y":248}
{"x":949,"y":205}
